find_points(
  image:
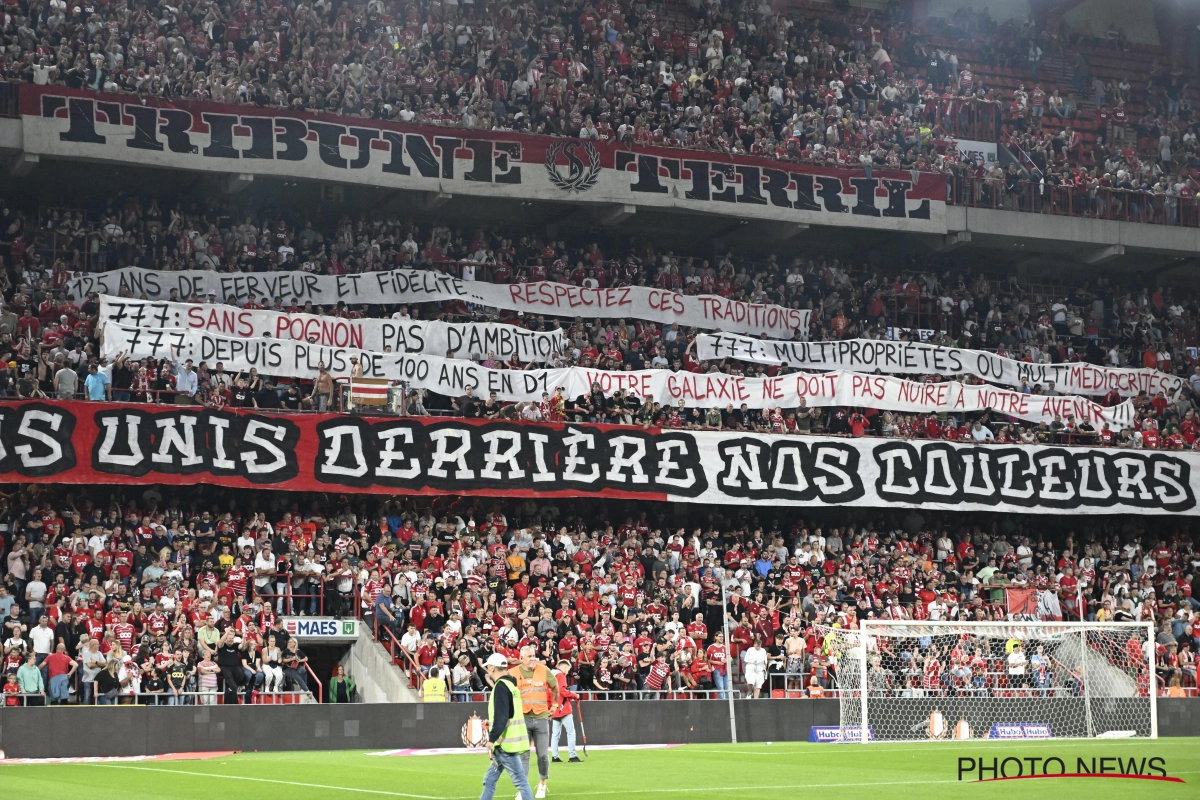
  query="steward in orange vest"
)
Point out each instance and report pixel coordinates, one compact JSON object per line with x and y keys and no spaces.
{"x":539,"y":689}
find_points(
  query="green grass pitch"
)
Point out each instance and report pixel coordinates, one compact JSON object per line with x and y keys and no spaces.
{"x":729,"y":772}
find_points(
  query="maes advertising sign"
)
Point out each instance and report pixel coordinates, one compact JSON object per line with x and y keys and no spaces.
{"x":325,"y":629}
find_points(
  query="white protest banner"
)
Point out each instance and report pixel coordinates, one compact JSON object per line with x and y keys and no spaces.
{"x":709,"y":312}
{"x":855,"y":389}
{"x":451,"y":377}
{"x":464,"y":339}
{"x":918,"y":358}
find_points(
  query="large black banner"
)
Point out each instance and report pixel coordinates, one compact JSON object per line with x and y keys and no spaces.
{"x":101,"y":443}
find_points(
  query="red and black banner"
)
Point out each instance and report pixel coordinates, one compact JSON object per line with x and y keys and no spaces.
{"x":126,"y":443}
{"x":101,"y":443}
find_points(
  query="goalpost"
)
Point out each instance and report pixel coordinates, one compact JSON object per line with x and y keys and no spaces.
{"x":900,"y":680}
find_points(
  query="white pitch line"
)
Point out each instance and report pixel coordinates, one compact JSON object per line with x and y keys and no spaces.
{"x":713,"y":789}
{"x":886,"y":747}
{"x":749,"y":752}
{"x":268,"y":780}
{"x":705,"y":789}
{"x":754,"y":788}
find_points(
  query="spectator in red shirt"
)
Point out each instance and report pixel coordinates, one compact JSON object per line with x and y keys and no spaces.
{"x":12,"y":690}
{"x":60,"y":668}
{"x":28,"y":326}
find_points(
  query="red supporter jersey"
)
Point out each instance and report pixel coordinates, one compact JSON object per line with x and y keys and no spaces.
{"x":125,"y":634}
{"x":716,"y":656}
{"x":237,"y":577}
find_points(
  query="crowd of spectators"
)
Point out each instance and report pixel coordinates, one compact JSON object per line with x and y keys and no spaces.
{"x":782,"y":81}
{"x":1115,"y":139}
{"x":49,"y":339}
{"x":191,"y":586}
{"x":726,"y":76}
{"x":100,"y":606}
{"x":179,"y":599}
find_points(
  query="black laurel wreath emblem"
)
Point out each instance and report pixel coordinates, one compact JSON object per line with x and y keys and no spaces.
{"x":581,"y":177}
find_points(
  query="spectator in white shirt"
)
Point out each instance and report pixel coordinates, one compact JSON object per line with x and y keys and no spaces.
{"x":264,"y":567}
{"x":35,"y":596}
{"x":411,"y":639}
{"x":186,"y":381}
{"x":981,"y":434}
{"x":96,"y":543}
{"x":244,"y":541}
{"x":42,"y":636}
{"x":1016,"y":667}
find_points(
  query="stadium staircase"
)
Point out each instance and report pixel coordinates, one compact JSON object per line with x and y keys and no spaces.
{"x":677,"y":16}
{"x":1054,"y":70}
{"x":383,"y":672}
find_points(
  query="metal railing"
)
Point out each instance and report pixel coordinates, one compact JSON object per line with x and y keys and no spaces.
{"x":658,"y":694}
{"x":171,"y":697}
{"x":215,"y":697}
{"x":315,"y":681}
{"x":291,"y":603}
{"x":623,"y":694}
{"x":1103,"y":203}
{"x":79,"y":689}
{"x":919,"y":313}
{"x":973,"y":118}
{"x":343,"y":400}
{"x":401,"y":658}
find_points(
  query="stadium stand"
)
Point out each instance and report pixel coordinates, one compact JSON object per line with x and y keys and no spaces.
{"x":1096,"y":126}
{"x":340,"y":561}
{"x":175,"y":595}
{"x":1102,"y":324}
{"x":611,"y":588}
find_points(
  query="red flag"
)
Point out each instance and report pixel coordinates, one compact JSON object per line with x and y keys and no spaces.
{"x":1022,"y":601}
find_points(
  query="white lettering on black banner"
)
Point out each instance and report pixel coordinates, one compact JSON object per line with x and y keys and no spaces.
{"x":93,"y":443}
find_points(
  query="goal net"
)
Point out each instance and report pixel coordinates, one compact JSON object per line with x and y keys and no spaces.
{"x":900,"y":680}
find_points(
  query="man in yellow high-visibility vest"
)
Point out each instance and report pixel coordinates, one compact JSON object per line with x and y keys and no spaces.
{"x":433,"y":690}
{"x":508,"y":737}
